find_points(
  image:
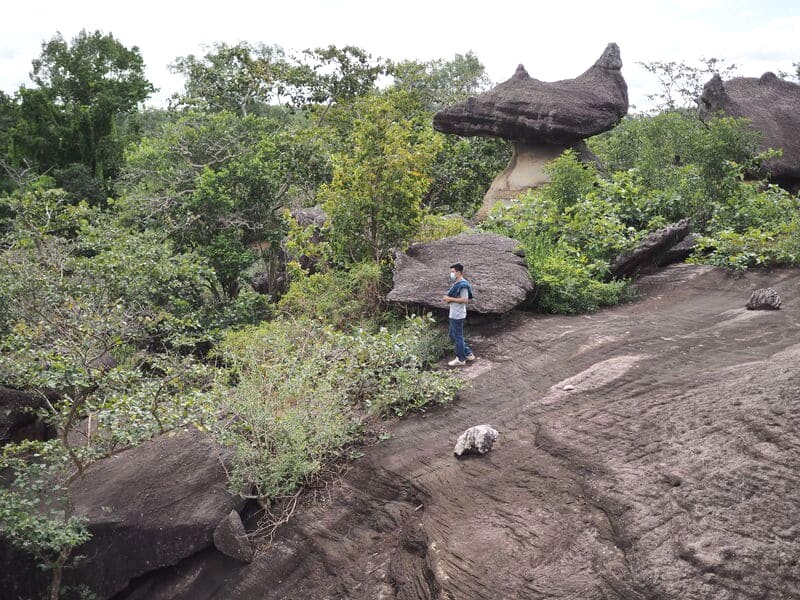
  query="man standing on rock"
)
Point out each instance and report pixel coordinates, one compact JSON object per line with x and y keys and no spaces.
{"x":459,"y":294}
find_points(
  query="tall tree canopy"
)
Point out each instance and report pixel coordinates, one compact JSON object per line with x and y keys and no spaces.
{"x":82,"y":88}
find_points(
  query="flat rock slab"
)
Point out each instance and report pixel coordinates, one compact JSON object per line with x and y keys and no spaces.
{"x":492,"y":264}
{"x":773,"y":107}
{"x":524,"y":109}
{"x":669,"y":470}
{"x":150,"y":507}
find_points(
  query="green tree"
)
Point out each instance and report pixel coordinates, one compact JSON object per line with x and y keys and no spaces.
{"x":81,"y":89}
{"x":439,"y":83}
{"x":681,"y":84}
{"x":216,"y":184}
{"x":374,"y":201}
{"x":241,"y":79}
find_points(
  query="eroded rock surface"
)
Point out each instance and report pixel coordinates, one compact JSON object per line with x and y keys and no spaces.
{"x":148,"y":508}
{"x":492,"y":265}
{"x":230,"y":538}
{"x":670,"y":470}
{"x":18,"y":419}
{"x":650,"y":250}
{"x":773,"y":107}
{"x":541,"y":119}
{"x":524,"y":109}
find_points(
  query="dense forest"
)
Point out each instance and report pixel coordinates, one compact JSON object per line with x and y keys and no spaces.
{"x":158,"y":269}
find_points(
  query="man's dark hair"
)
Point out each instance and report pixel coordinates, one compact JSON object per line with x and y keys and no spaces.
{"x":458,"y":267}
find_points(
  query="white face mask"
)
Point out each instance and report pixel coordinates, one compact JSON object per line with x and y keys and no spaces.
{"x":452,"y":276}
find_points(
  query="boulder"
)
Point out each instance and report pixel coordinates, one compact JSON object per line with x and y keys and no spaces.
{"x":679,"y":252}
{"x":149,"y":507}
{"x":310,"y":216}
{"x":764,"y":299}
{"x":773,"y":107}
{"x":650,"y":249}
{"x":476,"y":440}
{"x":230,"y":538}
{"x":18,"y":418}
{"x":541,"y":119}
{"x":492,"y":264}
{"x":524,"y":109}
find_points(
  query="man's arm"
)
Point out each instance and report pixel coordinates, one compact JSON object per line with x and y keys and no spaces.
{"x":463,"y":299}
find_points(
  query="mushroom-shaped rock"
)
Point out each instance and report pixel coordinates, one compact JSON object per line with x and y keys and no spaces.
{"x":524,"y":109}
{"x":476,"y":440}
{"x":650,"y":250}
{"x":764,"y":299}
{"x":492,"y":264}
{"x":541,"y":118}
{"x":773,"y":107}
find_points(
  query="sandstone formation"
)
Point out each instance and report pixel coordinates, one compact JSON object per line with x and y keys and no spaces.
{"x":679,"y":252}
{"x":148,"y":508}
{"x":542,"y":119}
{"x":230,"y":538}
{"x":492,"y":264}
{"x":18,"y":420}
{"x":764,"y":299}
{"x":773,"y":107}
{"x":670,"y":471}
{"x":476,"y":440}
{"x":650,"y":249}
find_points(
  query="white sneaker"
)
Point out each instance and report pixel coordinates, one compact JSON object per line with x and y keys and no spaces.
{"x":457,"y":363}
{"x":471,"y":357}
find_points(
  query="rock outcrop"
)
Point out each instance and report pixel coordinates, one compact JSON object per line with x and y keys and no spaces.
{"x":148,"y":508}
{"x":679,"y":252}
{"x":230,"y":538}
{"x":476,"y":440}
{"x":650,"y":249}
{"x":492,"y":264}
{"x":524,"y":109}
{"x":541,"y":118}
{"x":773,"y":107}
{"x":18,"y":419}
{"x":764,"y":299}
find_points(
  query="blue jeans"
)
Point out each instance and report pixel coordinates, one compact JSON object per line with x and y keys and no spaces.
{"x":457,"y":337}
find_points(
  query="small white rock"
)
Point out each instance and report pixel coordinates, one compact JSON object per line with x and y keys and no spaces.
{"x":476,"y":440}
{"x":568,"y":388}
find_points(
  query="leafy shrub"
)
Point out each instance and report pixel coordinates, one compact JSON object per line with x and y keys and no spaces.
{"x":436,"y":227}
{"x":567,"y":282}
{"x":335,"y":297}
{"x":305,"y":389}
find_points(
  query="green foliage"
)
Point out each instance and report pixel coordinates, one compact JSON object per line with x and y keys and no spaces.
{"x":304,"y":390}
{"x":463,"y":170}
{"x":216,"y":183}
{"x":679,"y":166}
{"x":570,"y":230}
{"x":335,"y":297}
{"x":567,"y":282}
{"x":570,"y":180}
{"x":374,"y":202}
{"x":436,"y":227}
{"x":70,"y":117}
{"x":438,"y":83}
{"x":35,"y":510}
{"x":753,"y":247}
{"x":681,"y":84}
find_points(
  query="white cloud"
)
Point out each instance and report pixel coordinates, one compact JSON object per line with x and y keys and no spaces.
{"x":555,"y":40}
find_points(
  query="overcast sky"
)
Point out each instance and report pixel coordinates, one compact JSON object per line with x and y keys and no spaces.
{"x":554,"y":40}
